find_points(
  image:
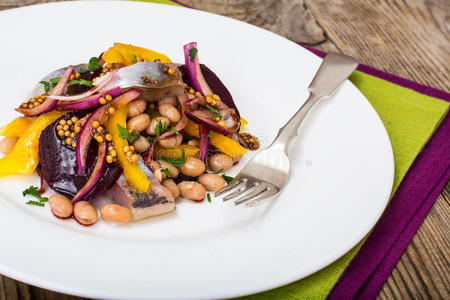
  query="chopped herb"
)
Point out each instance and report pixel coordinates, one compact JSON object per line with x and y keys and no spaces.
{"x":54,"y":81}
{"x":123,"y":133}
{"x":209,"y":197}
{"x":149,"y":138}
{"x":214,"y":111}
{"x":167,"y":172}
{"x":46,"y":85}
{"x":227,"y":179}
{"x":176,"y":162}
{"x":175,"y":130}
{"x":93,"y":65}
{"x":192,"y":53}
{"x":31,"y":202}
{"x":133,"y":57}
{"x":80,"y":82}
{"x":210,"y":134}
{"x":160,"y":128}
{"x":34,"y":191}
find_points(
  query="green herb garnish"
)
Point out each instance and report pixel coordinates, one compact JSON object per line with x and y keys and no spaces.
{"x":160,"y":128}
{"x":227,"y":179}
{"x":80,"y":82}
{"x":176,"y":162}
{"x":149,"y":138}
{"x":214,"y":111}
{"x":133,"y":57}
{"x":31,"y":202}
{"x":46,"y":85}
{"x":192,"y":53}
{"x":93,"y":65}
{"x":34,"y":191}
{"x":175,"y":130}
{"x":54,"y":81}
{"x":210,"y":134}
{"x":130,"y":137}
{"x":209,"y":197}
{"x":167,"y":172}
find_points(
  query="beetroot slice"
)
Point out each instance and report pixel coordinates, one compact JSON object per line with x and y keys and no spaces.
{"x":59,"y":167}
{"x":96,"y":173}
{"x":88,"y":102}
{"x":49,"y":104}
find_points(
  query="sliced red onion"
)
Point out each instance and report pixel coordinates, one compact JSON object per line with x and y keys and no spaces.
{"x":125,"y":98}
{"x":96,"y":173}
{"x":206,"y":118}
{"x":204,"y":142}
{"x":194,"y":72}
{"x":148,"y":156}
{"x":49,"y":103}
{"x":88,"y":102}
{"x":85,"y":137}
{"x":105,"y":82}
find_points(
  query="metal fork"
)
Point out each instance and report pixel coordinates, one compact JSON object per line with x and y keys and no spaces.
{"x":268,"y":172}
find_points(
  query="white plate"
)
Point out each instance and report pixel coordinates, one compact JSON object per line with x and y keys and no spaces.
{"x":341,"y":179}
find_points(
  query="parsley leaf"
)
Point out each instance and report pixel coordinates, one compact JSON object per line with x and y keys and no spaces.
{"x":227,"y":179}
{"x":80,"y":82}
{"x":176,"y":162}
{"x":210,"y":134}
{"x":209,"y":197}
{"x":160,"y":128}
{"x":31,"y":202}
{"x":93,"y":65}
{"x":123,"y":133}
{"x":46,"y":85}
{"x":175,"y":130}
{"x":133,"y":57}
{"x":34,"y":191}
{"x":54,"y":81}
{"x":192,"y":53}
{"x":167,"y":172}
{"x":214,"y":111}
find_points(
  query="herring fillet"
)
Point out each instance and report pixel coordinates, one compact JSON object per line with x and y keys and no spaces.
{"x":157,"y":201}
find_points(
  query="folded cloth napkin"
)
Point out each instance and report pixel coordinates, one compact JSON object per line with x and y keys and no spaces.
{"x":411,"y":114}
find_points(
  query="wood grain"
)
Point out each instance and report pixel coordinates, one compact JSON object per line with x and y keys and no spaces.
{"x":409,"y":38}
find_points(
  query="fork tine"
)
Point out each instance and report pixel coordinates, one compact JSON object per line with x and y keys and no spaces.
{"x":240,"y":191}
{"x":261,"y":188}
{"x":270,"y":193}
{"x":229,"y":186}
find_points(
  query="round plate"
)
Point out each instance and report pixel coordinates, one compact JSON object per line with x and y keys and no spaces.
{"x":342,"y":164}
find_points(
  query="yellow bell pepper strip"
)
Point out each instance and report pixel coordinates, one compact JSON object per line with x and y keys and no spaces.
{"x":113,"y":56}
{"x":174,"y":152}
{"x":17,"y":127}
{"x":123,"y":53}
{"x":243,"y":123}
{"x":221,"y":142}
{"x":131,"y":171}
{"x":24,"y":158}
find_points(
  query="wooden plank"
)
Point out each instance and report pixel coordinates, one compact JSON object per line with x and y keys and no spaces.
{"x":407,"y":38}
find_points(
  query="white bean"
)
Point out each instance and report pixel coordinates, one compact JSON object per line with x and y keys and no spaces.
{"x":192,"y":190}
{"x":212,"y":182}
{"x":139,"y":123}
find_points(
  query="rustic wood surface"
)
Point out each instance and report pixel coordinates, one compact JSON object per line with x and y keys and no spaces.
{"x":404,"y":37}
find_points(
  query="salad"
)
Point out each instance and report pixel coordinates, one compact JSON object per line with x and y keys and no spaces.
{"x":130,"y":125}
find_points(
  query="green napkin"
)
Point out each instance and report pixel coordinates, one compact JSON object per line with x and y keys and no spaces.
{"x":410,"y":119}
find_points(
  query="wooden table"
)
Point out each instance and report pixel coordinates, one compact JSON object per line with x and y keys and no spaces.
{"x":409,"y":38}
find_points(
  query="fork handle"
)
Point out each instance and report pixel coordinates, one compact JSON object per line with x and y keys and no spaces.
{"x":333,"y":71}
